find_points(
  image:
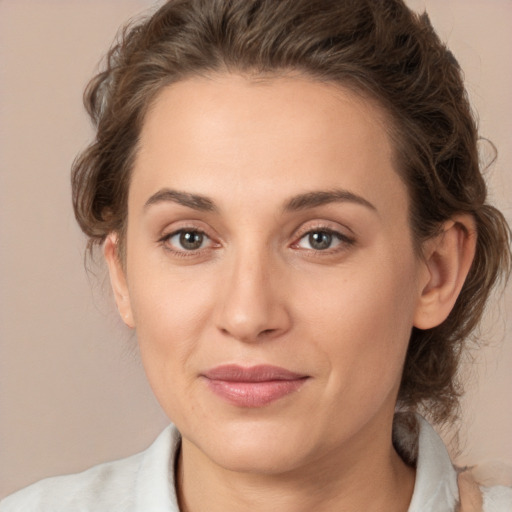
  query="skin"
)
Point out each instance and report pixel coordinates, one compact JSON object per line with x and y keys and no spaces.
{"x":259,"y":291}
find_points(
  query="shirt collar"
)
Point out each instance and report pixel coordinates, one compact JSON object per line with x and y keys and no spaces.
{"x":435,"y":488}
{"x":155,"y":488}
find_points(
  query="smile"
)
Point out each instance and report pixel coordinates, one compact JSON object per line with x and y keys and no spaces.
{"x":252,"y":387}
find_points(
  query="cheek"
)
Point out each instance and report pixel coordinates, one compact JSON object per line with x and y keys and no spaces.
{"x":171,"y":310}
{"x":366,"y":315}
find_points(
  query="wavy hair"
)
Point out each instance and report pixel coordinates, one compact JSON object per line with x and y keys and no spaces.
{"x":378,"y":48}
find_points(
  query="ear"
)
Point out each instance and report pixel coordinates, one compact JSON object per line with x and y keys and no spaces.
{"x":118,"y":279}
{"x":448,"y":257}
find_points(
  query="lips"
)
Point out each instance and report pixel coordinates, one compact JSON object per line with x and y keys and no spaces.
{"x":254,"y":386}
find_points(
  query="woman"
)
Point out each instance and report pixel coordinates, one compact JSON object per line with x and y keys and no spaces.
{"x":295,"y":224}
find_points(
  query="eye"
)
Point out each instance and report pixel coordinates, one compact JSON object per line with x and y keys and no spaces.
{"x":187,"y":240}
{"x":321,"y":240}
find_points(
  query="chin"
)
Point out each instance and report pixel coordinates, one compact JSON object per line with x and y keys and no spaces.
{"x":258,"y":447}
{"x":263,"y":458}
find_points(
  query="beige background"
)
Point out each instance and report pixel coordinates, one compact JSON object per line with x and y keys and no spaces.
{"x":72,"y":392}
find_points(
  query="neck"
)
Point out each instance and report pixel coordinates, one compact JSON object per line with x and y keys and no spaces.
{"x":363,"y":476}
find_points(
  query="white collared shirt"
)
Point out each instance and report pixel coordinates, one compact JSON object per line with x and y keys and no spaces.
{"x":145,"y":482}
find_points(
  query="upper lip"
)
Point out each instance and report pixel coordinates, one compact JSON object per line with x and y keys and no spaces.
{"x":258,"y":373}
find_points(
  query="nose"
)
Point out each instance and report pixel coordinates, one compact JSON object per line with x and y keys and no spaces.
{"x":252,"y":303}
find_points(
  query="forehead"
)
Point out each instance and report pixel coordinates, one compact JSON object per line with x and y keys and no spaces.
{"x":292,"y":133}
{"x":240,"y":104}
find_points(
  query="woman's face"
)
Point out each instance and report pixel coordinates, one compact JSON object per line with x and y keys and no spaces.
{"x":270,"y":271}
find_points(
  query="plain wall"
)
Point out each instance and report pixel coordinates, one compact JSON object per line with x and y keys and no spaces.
{"x":72,"y":391}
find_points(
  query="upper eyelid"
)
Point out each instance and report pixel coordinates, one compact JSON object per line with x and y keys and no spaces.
{"x":190,"y":225}
{"x":166,"y":235}
{"x":343,"y":239}
{"x":175,"y":231}
{"x":334,"y":228}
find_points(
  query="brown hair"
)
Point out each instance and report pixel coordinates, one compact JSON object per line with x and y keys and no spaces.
{"x":375,"y":47}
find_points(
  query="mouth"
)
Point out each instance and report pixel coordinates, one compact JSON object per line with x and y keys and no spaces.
{"x":254,"y":386}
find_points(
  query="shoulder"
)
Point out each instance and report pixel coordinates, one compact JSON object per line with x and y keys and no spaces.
{"x":105,"y":484}
{"x":141,"y":482}
{"x":477,"y":498}
{"x":439,"y":486}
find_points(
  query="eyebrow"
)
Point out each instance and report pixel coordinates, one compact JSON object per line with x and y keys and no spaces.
{"x":320,"y":198}
{"x":194,"y":201}
{"x":296,"y":203}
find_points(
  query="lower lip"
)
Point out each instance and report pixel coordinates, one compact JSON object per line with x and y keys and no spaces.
{"x":254,"y":394}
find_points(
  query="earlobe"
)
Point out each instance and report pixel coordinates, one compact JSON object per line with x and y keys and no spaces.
{"x":448,"y":258}
{"x":118,"y":279}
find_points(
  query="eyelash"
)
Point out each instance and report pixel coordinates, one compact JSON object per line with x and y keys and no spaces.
{"x":182,"y":252}
{"x":343,"y":241}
